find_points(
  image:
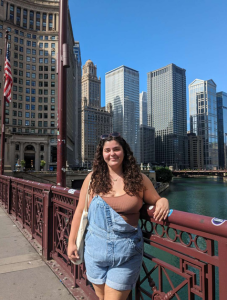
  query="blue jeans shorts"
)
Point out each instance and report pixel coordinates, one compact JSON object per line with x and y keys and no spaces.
{"x":113,"y":248}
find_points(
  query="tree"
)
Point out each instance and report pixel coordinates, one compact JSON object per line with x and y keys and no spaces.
{"x":163,"y":174}
{"x":42,"y":163}
{"x":22,"y":162}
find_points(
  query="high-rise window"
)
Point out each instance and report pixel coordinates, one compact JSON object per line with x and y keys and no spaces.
{"x":11,"y":14}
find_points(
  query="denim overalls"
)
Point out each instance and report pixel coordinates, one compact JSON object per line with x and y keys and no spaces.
{"x":113,"y":248}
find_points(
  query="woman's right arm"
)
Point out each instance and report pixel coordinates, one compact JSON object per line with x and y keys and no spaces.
{"x":72,"y":249}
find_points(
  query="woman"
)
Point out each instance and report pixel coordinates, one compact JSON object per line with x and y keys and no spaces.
{"x":113,"y":243}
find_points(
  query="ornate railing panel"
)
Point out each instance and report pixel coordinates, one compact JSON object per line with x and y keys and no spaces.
{"x":27,"y":205}
{"x":191,"y":239}
{"x":4,"y":191}
{"x":184,"y":257}
{"x":64,"y":204}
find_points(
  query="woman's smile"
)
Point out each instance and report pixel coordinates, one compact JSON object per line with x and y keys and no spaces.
{"x":113,"y":153}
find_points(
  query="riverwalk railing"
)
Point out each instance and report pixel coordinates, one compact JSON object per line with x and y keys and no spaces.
{"x":184,"y":257}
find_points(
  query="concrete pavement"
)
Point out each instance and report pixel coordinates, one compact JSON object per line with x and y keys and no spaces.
{"x":23,"y":273}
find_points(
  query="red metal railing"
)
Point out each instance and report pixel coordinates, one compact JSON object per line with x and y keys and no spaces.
{"x":199,"y":245}
{"x":5,"y":191}
{"x":181,"y":256}
{"x":27,"y":205}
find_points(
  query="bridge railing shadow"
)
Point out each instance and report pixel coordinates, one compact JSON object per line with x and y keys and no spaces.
{"x":184,"y":257}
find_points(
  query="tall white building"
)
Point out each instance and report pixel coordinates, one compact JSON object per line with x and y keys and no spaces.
{"x":147,"y":133}
{"x":143,"y":108}
{"x":203,"y":118}
{"x":95,"y":120}
{"x":122,"y":91}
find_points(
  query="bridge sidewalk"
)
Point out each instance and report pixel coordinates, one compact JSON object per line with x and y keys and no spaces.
{"x":23,"y":273}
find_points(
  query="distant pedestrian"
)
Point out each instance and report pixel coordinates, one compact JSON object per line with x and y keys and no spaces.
{"x":114,"y":243}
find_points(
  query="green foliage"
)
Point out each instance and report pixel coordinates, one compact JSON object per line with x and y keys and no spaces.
{"x":163,"y":174}
{"x":42,"y":163}
{"x":22,"y":162}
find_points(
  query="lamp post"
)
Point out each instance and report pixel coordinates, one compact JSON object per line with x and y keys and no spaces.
{"x":63,"y":63}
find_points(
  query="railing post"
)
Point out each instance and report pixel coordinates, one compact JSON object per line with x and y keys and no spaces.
{"x":23,"y":207}
{"x":16,"y":201}
{"x":47,"y":234}
{"x":2,"y":191}
{"x":9,"y":196}
{"x":137,"y":291}
{"x":222,"y":250}
{"x":33,"y":214}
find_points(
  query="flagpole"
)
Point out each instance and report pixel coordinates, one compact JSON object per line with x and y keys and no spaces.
{"x":3,"y":117}
{"x":62,"y":93}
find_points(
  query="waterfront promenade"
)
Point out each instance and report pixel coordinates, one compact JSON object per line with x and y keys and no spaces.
{"x":23,"y":273}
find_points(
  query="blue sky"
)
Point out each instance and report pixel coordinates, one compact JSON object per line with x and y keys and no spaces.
{"x":148,"y":34}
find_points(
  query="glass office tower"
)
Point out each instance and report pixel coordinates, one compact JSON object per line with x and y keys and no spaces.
{"x":143,"y":108}
{"x":222,"y":128}
{"x":166,"y":104}
{"x":203,"y":118}
{"x":122,"y":91}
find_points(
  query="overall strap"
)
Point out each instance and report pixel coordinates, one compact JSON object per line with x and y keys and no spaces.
{"x":87,"y":198}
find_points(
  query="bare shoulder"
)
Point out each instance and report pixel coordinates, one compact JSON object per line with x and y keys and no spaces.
{"x":150,"y":195}
{"x":146,"y":181}
{"x":88,"y":177}
{"x":86,"y":181}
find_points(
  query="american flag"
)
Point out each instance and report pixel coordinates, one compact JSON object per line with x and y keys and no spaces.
{"x":8,"y":77}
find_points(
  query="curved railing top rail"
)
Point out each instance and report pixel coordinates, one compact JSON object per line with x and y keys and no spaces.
{"x":65,"y":191}
{"x":202,"y":223}
{"x":44,"y":186}
{"x":5,"y":177}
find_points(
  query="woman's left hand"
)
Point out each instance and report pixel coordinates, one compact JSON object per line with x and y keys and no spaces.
{"x":161,"y":209}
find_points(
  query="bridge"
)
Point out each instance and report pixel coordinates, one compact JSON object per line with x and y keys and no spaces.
{"x":198,"y":244}
{"x":222,"y":173}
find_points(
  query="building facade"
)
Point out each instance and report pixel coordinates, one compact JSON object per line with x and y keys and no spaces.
{"x":195,"y":151}
{"x":147,"y":144}
{"x":31,"y":117}
{"x":222,"y":128}
{"x":78,"y":75}
{"x":203,"y":118}
{"x":95,"y":120}
{"x":167,"y":113}
{"x":122,"y":92}
{"x":143,"y":108}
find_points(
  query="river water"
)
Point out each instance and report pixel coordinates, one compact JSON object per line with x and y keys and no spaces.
{"x":204,"y":196}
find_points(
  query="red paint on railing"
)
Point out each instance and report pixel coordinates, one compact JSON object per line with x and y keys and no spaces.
{"x":46,"y":212}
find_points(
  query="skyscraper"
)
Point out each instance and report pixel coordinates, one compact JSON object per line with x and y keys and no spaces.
{"x":95,"y":120}
{"x":195,"y":151}
{"x":166,"y":101}
{"x":78,"y":99}
{"x":31,"y":117}
{"x":147,"y":133}
{"x":222,"y":128}
{"x":147,"y":144}
{"x":203,"y":118}
{"x":143,"y":108}
{"x":122,"y":91}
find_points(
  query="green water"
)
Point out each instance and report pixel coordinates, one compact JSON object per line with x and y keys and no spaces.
{"x":204,"y":196}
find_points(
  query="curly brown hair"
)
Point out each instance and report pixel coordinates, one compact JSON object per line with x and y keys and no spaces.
{"x":100,"y":179}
